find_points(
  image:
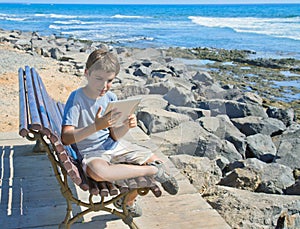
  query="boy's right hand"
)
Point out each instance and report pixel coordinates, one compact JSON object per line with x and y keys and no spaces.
{"x":107,"y":120}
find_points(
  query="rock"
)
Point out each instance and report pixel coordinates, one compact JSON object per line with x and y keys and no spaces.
{"x":261,"y":147}
{"x":293,"y":189}
{"x":233,"y":109}
{"x":56,"y":53}
{"x":142,"y":71}
{"x":241,"y":178}
{"x":222,"y":127}
{"x":275,"y":178}
{"x":180,"y":97}
{"x":152,"y":101}
{"x":288,"y":221}
{"x":253,"y":125}
{"x":194,"y":113}
{"x":203,"y":77}
{"x":132,"y":90}
{"x":286,"y":116}
{"x":252,"y":97}
{"x":201,"y":172}
{"x":245,"y":209}
{"x":159,"y":120}
{"x":182,"y":139}
{"x":222,"y":162}
{"x":288,"y":152}
{"x":160,"y":88}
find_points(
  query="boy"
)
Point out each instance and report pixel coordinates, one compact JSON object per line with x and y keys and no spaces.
{"x":97,"y":137}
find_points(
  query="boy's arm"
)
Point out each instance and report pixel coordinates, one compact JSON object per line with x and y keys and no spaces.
{"x":71,"y":134}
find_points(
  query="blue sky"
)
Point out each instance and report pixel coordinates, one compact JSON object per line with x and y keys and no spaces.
{"x":154,"y":1}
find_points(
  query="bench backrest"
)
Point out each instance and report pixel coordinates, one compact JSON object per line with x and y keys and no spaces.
{"x":40,"y":114}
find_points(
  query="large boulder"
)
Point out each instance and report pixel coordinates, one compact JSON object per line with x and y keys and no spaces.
{"x":159,"y":120}
{"x":287,"y":116}
{"x":233,"y":109}
{"x":288,"y":147}
{"x":245,"y":209}
{"x":251,"y":125}
{"x":179,"y":96}
{"x":262,"y":147}
{"x":201,"y":172}
{"x":222,"y":127}
{"x":275,"y":178}
{"x":182,"y":139}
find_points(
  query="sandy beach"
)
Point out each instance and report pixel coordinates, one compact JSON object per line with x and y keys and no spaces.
{"x":57,"y":83}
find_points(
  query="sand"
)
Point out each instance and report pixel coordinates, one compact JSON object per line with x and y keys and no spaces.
{"x":59,"y":85}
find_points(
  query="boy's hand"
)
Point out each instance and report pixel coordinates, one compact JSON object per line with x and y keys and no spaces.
{"x":107,"y":120}
{"x":131,"y":122}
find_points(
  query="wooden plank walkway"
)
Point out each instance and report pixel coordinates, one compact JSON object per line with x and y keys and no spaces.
{"x":30,"y":196}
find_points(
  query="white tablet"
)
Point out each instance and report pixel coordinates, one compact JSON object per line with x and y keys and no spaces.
{"x":126,"y":107}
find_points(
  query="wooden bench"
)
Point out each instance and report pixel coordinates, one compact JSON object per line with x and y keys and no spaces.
{"x":40,"y":121}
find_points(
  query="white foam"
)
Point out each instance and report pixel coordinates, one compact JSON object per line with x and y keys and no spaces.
{"x":127,"y":16}
{"x":12,"y":19}
{"x":55,"y":16}
{"x":71,"y":22}
{"x":276,"y":27}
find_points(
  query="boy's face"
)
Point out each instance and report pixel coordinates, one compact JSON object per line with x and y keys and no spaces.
{"x":99,"y":82}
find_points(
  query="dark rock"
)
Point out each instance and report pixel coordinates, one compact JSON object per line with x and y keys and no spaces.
{"x":293,"y":189}
{"x":222,"y":127}
{"x":233,"y":109}
{"x":287,"y":116}
{"x":253,"y":125}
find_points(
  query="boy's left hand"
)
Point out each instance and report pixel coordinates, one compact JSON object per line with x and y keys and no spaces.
{"x":131,"y":122}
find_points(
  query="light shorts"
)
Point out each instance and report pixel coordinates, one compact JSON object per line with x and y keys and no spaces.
{"x":125,"y":152}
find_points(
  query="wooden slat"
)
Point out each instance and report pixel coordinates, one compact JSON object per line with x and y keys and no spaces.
{"x":51,"y":110}
{"x":40,"y":104}
{"x":35,"y":122}
{"x":23,"y":115}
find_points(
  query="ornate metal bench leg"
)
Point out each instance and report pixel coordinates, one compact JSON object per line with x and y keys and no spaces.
{"x":39,"y":147}
{"x":129,"y":221}
{"x":65,"y":224}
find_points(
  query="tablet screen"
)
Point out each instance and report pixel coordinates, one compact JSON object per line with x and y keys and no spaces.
{"x":125,"y":107}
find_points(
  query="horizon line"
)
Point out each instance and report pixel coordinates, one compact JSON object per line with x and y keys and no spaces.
{"x":80,"y":3}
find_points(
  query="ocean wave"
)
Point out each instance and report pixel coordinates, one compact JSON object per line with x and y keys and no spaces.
{"x":12,"y":18}
{"x":72,"y":22}
{"x":86,"y":26}
{"x":97,"y":35}
{"x":133,"y":39}
{"x":88,"y":35}
{"x":127,"y":16}
{"x":55,"y":16}
{"x":276,"y":27}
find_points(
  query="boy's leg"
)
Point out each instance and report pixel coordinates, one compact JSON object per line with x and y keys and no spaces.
{"x":100,"y":170}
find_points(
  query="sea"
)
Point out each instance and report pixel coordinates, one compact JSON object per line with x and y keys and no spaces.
{"x":271,"y":30}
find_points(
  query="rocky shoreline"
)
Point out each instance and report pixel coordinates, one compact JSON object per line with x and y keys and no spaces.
{"x":239,"y":147}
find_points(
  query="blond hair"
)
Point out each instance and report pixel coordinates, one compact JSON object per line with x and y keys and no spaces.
{"x":103,"y":59}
